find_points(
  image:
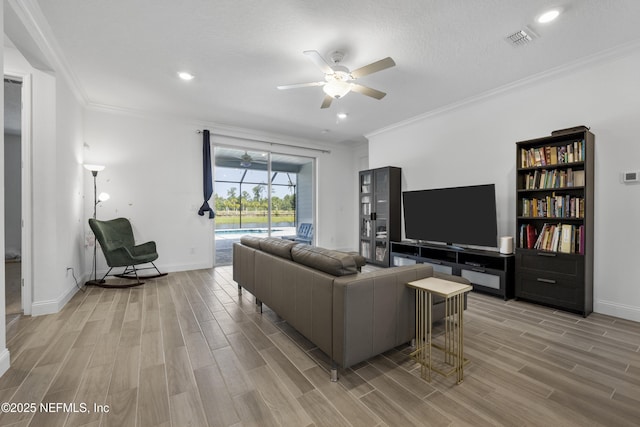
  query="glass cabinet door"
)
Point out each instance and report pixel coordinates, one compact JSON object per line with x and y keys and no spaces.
{"x":365,"y":205}
{"x":379,"y":212}
{"x":366,"y":210}
{"x":381,"y":239}
{"x":365,"y":182}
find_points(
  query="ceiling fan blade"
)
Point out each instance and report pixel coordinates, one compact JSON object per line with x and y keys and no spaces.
{"x":319,"y":61}
{"x":367,"y":91}
{"x":374,"y":67}
{"x":326,"y":102}
{"x":302,"y":85}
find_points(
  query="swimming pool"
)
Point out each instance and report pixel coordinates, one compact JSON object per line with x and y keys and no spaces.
{"x":236,"y":231}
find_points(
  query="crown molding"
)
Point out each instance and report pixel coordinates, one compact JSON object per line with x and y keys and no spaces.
{"x":36,"y":25}
{"x":218,"y":129}
{"x":600,"y":57}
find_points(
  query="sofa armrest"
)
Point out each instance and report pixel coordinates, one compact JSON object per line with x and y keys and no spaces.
{"x":243,"y":266}
{"x":373,"y":312}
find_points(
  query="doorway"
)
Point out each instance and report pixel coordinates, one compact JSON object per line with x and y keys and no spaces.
{"x":13,"y":197}
{"x":262,"y":194}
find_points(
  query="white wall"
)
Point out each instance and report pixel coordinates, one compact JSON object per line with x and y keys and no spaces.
{"x":12,"y":195}
{"x":4,"y":353}
{"x":153,"y":173}
{"x":154,"y":177}
{"x":69,"y":190}
{"x":337,"y":203}
{"x":475,"y":144}
{"x":56,"y":185}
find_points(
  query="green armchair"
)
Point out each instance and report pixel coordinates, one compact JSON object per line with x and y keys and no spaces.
{"x":118,"y":246}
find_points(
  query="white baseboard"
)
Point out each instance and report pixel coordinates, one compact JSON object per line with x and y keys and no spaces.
{"x":5,"y":360}
{"x":165,"y":268}
{"x":39,"y":308}
{"x":615,"y":309}
{"x":184,"y":267}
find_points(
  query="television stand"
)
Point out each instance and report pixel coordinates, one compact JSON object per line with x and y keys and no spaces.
{"x":489,"y":272}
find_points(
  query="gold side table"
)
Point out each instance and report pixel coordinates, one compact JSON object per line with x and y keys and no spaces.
{"x":453,"y":294}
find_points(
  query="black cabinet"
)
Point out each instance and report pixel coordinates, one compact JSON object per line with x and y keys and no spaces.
{"x":553,"y":279}
{"x":379,"y":213}
{"x":489,"y":272}
{"x":554,"y":218}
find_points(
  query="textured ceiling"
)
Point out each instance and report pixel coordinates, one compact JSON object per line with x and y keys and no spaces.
{"x":126,"y":53}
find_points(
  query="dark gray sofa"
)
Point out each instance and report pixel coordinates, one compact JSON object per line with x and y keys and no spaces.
{"x":350,"y":316}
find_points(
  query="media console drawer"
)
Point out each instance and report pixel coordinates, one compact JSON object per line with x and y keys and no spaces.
{"x":482,"y":278}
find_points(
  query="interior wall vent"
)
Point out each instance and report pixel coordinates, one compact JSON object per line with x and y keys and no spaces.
{"x":521,"y":37}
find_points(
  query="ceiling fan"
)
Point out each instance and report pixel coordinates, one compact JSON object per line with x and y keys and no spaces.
{"x":338,"y":80}
{"x":231,"y":158}
{"x":245,"y":160}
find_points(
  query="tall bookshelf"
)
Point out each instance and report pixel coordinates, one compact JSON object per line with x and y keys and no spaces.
{"x":379,"y":212}
{"x":554,"y":220}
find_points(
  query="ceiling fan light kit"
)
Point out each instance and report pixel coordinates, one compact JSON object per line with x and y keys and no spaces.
{"x":339,"y":81}
{"x":336,"y":88}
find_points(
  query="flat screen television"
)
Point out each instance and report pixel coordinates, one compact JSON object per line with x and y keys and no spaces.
{"x":457,"y":215}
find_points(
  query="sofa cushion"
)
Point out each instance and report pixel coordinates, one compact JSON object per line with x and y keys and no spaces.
{"x":331,"y":262}
{"x":359,"y":259}
{"x":251,"y":241}
{"x":277,"y":247}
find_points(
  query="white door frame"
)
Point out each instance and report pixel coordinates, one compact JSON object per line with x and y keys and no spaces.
{"x":26,"y":187}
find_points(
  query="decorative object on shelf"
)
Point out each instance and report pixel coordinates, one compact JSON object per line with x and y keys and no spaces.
{"x":554,"y":220}
{"x":96,"y":199}
{"x":379,"y":213}
{"x":506,"y":245}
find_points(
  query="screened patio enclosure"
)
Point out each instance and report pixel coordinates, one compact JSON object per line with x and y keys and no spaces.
{"x":259,"y":193}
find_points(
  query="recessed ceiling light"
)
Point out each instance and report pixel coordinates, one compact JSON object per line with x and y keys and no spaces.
{"x":548,"y":16}
{"x":342,"y":116}
{"x":185,"y":76}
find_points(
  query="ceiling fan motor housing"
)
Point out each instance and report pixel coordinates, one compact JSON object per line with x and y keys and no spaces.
{"x":336,"y":56}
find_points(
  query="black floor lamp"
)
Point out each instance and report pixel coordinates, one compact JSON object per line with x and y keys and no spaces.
{"x":96,"y":199}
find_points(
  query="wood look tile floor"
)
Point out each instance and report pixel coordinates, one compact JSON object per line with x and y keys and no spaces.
{"x":185,"y":350}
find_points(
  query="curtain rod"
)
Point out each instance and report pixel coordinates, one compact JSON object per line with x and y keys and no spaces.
{"x":269,"y":142}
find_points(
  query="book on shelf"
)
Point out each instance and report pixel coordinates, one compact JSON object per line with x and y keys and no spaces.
{"x":548,"y":239}
{"x":553,"y":206}
{"x":580,"y":240}
{"x":544,"y":179}
{"x":552,"y":155}
{"x":528,"y":236}
{"x":538,"y":158}
{"x":567,"y":239}
{"x":563,"y":238}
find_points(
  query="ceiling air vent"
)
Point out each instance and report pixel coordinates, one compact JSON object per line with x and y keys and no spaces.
{"x":521,"y":37}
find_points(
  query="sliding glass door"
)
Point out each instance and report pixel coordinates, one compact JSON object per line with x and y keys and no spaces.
{"x":260,"y":193}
